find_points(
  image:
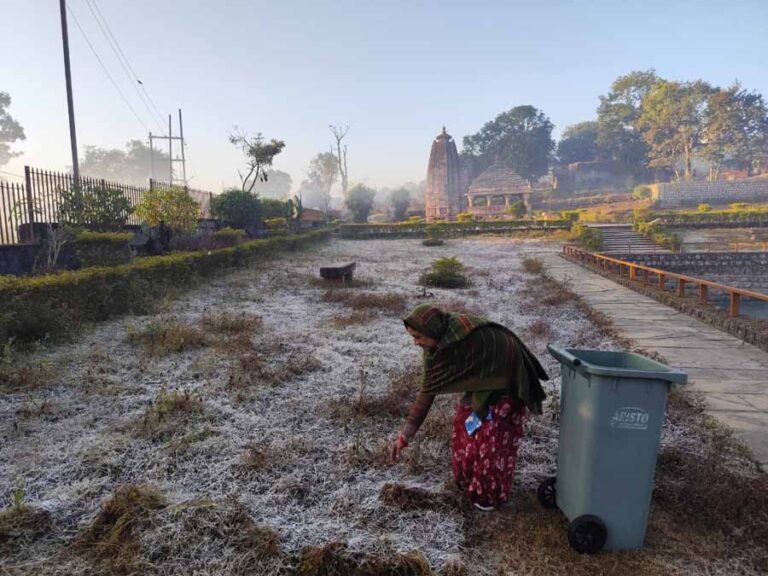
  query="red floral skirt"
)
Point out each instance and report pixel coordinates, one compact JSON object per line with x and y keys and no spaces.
{"x":484,"y":463}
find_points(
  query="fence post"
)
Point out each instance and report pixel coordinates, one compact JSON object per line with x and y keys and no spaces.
{"x":151,"y":183}
{"x":30,"y":204}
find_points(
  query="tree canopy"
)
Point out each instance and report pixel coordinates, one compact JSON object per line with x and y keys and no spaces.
{"x":522,"y":137}
{"x":259,"y":155}
{"x":323,"y":173}
{"x":131,"y":166}
{"x":277,"y":184}
{"x":400,"y":200}
{"x":10,"y":130}
{"x":578,"y":143}
{"x":359,"y":201}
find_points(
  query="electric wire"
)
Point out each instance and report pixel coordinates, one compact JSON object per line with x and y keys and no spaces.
{"x":11,"y":174}
{"x":114,"y":47}
{"x":128,"y":63}
{"x":106,"y":71}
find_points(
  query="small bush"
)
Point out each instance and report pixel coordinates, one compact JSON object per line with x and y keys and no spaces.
{"x":703,"y":208}
{"x":236,"y":207}
{"x":230,"y":323}
{"x":447,"y":272}
{"x":161,"y":416}
{"x":174,"y":206}
{"x":161,"y":338}
{"x":642,"y":192}
{"x":464,"y":217}
{"x":360,"y":301}
{"x":533,"y":265}
{"x":590,"y":238}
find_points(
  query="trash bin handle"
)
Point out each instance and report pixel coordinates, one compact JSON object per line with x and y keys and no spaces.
{"x":563,"y":355}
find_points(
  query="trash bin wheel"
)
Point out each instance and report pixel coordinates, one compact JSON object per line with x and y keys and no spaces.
{"x":547,"y":492}
{"x":587,"y":534}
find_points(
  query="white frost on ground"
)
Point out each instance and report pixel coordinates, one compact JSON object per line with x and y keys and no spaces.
{"x":72,"y":458}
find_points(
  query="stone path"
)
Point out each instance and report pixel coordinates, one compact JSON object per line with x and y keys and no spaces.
{"x":732,"y":375}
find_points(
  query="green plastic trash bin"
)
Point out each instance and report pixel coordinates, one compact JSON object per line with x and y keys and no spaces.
{"x":611,"y":412}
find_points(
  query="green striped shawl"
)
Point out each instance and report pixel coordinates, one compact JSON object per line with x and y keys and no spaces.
{"x":476,"y":356}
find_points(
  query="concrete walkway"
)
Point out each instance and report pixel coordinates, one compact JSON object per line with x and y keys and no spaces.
{"x":732,"y":375}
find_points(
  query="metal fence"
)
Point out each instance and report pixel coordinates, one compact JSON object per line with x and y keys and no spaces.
{"x":38,"y":201}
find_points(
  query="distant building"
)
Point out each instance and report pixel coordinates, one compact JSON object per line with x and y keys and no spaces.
{"x":446,"y":181}
{"x":311,"y":218}
{"x":495,"y":190}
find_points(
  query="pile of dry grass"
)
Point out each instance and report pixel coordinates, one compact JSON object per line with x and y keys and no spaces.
{"x":112,"y":541}
{"x":334,"y":559}
{"x":161,"y":338}
{"x":539,"y":328}
{"x":411,"y":498}
{"x":252,"y":370}
{"x":255,"y":456}
{"x":233,"y":331}
{"x":23,"y":522}
{"x":395,"y":402}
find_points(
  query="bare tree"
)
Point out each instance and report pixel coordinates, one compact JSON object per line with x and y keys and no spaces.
{"x":259,"y":155}
{"x":341,"y":155}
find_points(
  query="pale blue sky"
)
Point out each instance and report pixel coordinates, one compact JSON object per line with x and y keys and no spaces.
{"x":394,"y":71}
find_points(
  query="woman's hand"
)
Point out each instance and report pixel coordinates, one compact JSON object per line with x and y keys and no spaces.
{"x":397,"y":447}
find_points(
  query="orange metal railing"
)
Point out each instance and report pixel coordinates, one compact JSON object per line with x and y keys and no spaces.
{"x":643,"y":274}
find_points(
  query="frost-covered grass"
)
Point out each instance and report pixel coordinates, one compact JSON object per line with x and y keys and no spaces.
{"x":288,"y":405}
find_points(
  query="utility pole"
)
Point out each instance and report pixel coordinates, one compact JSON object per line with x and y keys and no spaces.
{"x":70,"y":100}
{"x":183,"y":158}
{"x":170,"y":138}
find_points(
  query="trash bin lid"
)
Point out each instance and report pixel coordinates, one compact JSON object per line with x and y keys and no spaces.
{"x":616,"y":364}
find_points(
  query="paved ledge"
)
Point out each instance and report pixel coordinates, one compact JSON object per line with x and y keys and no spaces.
{"x":731,"y":374}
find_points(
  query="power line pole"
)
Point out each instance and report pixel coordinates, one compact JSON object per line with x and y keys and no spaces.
{"x":170,"y":138}
{"x":183,"y":157}
{"x":70,"y":100}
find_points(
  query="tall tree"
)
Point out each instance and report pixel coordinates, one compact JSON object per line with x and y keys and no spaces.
{"x":359,"y":201}
{"x":521,"y":136}
{"x":277,"y":184}
{"x":617,"y":135}
{"x":323,"y":172}
{"x":400,"y":200}
{"x":10,"y":130}
{"x":259,"y":155}
{"x":339,"y":134}
{"x":578,"y":143}
{"x":672,"y":122}
{"x":736,"y":130}
{"x":132,"y":165}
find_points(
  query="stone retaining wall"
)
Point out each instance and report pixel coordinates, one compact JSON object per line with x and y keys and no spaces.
{"x":682,"y":194}
{"x":748,"y":270}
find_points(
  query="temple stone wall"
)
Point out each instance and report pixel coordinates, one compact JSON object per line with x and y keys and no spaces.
{"x":689,"y":194}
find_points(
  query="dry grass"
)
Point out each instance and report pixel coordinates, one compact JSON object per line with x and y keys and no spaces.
{"x":21,"y":522}
{"x":354,"y":318}
{"x":395,"y":402}
{"x":334,"y":559}
{"x":167,"y":412}
{"x":533,"y":265}
{"x":337,"y":285}
{"x":411,"y":498}
{"x":230,"y":323}
{"x":540,"y":329}
{"x":184,"y":443}
{"x":253,"y":370}
{"x":35,"y":409}
{"x":255,"y":456}
{"x":111,"y":541}
{"x":389,"y":302}
{"x":162,"y":338}
{"x":14,"y":378}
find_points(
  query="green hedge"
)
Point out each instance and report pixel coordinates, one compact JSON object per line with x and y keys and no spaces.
{"x":746,"y":216}
{"x":448,"y":229}
{"x":40,"y":306}
{"x":103,"y":248}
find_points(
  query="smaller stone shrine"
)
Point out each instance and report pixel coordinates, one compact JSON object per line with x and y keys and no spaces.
{"x":495,"y":190}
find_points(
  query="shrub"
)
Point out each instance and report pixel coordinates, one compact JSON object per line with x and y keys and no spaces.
{"x":276,"y":223}
{"x":533,"y":265}
{"x":642,"y":192}
{"x":103,"y":248}
{"x":570,"y":215}
{"x":589,"y":238}
{"x":736,"y":206}
{"x":464,"y":217}
{"x":173,"y":206}
{"x":164,"y":338}
{"x":447,"y":272}
{"x":52,"y":305}
{"x":236,"y":207}
{"x":414,"y":220}
{"x":704,"y":208}
{"x":99,"y":208}
{"x":516,"y":209}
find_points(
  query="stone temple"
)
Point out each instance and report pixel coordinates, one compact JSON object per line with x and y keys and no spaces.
{"x":446,"y":180}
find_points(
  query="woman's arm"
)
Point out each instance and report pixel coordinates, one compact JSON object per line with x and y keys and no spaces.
{"x":416,"y":415}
